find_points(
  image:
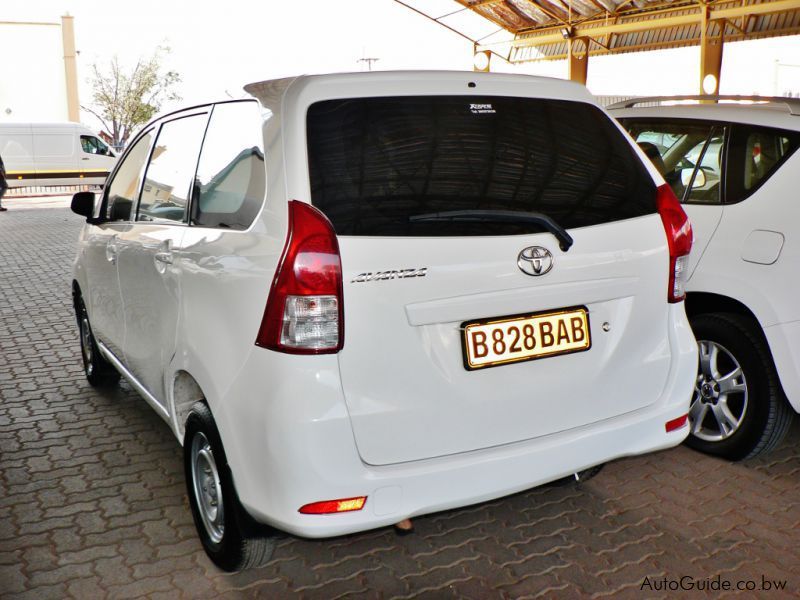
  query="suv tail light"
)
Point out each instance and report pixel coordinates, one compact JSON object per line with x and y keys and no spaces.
{"x":679,"y":240}
{"x":304,"y":313}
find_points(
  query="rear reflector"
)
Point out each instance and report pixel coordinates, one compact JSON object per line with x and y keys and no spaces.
{"x":676,"y":423}
{"x":679,"y":239}
{"x":327,"y":507}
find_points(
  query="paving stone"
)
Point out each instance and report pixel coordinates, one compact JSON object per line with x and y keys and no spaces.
{"x":93,"y":502}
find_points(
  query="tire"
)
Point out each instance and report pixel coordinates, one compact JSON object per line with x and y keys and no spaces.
{"x":738,"y":409}
{"x":99,"y":372}
{"x":230,"y":537}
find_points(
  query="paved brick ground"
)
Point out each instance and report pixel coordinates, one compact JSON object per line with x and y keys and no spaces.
{"x":92,"y":500}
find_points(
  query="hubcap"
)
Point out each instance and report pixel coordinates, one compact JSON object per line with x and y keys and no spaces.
{"x":720,"y":398}
{"x":207,"y":487}
{"x":86,"y":344}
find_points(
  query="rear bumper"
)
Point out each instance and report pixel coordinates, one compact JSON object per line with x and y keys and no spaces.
{"x":294,"y":446}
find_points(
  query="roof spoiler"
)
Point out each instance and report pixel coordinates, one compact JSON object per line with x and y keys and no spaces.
{"x":792,"y":105}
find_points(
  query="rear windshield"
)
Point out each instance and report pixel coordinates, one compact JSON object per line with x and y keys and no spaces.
{"x":465,"y":165}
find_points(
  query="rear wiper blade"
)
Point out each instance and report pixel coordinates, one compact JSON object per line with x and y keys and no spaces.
{"x":501,"y":216}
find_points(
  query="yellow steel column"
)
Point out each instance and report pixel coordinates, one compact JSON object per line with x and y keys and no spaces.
{"x":710,"y":54}
{"x":70,"y":67}
{"x":578,"y":59}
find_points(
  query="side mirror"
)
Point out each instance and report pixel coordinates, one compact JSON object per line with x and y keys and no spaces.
{"x":699,"y":179}
{"x":83,"y":204}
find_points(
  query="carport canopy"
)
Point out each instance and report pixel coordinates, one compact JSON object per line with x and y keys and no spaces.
{"x":535,"y":30}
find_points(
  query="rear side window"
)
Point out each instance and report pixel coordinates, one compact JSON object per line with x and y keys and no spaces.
{"x":760,"y":151}
{"x":384,"y":166}
{"x":230,"y":183}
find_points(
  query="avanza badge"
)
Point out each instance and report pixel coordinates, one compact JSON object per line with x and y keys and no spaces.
{"x":385,"y":275}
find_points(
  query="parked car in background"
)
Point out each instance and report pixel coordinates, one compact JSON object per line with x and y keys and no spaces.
{"x":49,"y":154}
{"x":736,"y":169}
{"x":365,"y":297}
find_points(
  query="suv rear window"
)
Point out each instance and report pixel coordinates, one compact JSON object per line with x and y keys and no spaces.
{"x":377,"y":163}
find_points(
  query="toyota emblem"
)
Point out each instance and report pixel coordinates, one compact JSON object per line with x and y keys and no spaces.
{"x":535,"y":260}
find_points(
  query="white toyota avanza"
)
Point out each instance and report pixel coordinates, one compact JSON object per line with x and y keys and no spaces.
{"x":359,"y":298}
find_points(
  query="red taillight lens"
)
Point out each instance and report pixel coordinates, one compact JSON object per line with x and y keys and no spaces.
{"x":676,"y":424}
{"x":304,"y":313}
{"x":679,"y":239}
{"x":327,"y":507}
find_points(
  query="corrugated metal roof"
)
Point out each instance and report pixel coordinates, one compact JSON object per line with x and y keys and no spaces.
{"x":542,"y":29}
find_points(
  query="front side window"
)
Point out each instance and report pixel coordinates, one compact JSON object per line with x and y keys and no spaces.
{"x":122,"y":189}
{"x":92,"y":145}
{"x":230,"y":183}
{"x":470,"y":165}
{"x":171,"y":170}
{"x":705,"y":183}
{"x":688,"y":154}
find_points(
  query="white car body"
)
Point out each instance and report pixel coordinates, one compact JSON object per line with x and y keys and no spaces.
{"x":53,"y":154}
{"x":394,"y":415}
{"x":746,"y":251}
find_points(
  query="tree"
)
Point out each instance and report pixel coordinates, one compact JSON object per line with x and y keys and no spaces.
{"x":125,"y":100}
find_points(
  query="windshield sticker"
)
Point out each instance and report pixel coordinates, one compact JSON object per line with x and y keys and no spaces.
{"x":481,"y":109}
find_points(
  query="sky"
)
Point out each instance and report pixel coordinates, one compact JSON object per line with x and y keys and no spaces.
{"x":217,"y":47}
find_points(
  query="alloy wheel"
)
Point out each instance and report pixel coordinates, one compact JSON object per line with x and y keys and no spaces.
{"x":720,"y":400}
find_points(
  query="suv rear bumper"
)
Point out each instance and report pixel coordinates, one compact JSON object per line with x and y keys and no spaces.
{"x":278,"y":468}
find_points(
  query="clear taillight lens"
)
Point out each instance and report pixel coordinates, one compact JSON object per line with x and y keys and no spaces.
{"x":304,"y":313}
{"x":679,"y":240}
{"x":310,"y":322}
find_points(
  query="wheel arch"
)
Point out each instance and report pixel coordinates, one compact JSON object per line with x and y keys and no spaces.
{"x":186,"y":391}
{"x":698,"y":303}
{"x":76,"y":294}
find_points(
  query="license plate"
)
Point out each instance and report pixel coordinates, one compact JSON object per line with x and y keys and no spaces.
{"x":493,"y":342}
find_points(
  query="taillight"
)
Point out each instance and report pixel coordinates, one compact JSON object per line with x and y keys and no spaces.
{"x":304,"y":313}
{"x":679,"y":239}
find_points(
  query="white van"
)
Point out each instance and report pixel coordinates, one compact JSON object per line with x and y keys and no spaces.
{"x":43,"y":154}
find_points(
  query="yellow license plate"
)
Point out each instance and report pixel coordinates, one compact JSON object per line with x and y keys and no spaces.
{"x":492,"y":342}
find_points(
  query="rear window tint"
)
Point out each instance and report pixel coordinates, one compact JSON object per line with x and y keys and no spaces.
{"x":375,"y":163}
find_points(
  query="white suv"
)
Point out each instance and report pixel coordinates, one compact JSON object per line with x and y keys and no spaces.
{"x":335,"y":293}
{"x":737,"y":172}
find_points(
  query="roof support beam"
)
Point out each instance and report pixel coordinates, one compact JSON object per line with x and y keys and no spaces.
{"x":710,"y":56}
{"x":480,"y":3}
{"x":579,"y":59}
